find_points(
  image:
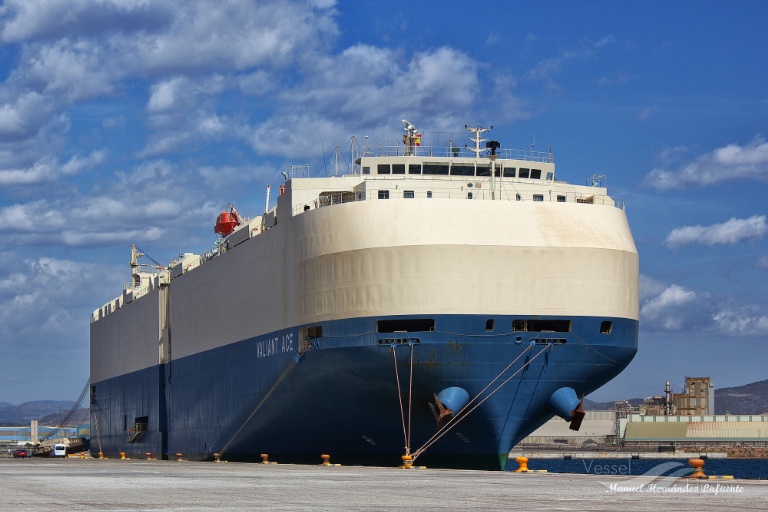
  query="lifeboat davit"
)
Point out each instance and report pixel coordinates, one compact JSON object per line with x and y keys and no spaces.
{"x":226,"y":222}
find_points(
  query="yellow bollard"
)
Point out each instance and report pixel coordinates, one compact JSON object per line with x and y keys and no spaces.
{"x":149,"y":455}
{"x":407,"y":462}
{"x":326,"y":460}
{"x":101,"y":455}
{"x":122,"y":455}
{"x":82,"y":455}
{"x":698,"y":468}
{"x":178,"y":457}
{"x":217,"y":457}
{"x":265,"y":458}
{"x":523,"y":461}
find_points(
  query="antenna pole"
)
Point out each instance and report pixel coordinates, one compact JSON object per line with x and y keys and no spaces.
{"x":476,"y":139}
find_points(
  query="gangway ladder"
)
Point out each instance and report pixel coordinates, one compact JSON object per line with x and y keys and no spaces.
{"x":138,"y":431}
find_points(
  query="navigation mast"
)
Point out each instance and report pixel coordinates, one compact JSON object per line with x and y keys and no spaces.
{"x":489,"y":144}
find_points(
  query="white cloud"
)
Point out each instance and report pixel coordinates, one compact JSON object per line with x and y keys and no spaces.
{"x":650,"y":287}
{"x":728,"y":163}
{"x":48,"y":170}
{"x":166,"y":93}
{"x":762,"y":261}
{"x":546,"y":69}
{"x":43,"y":298}
{"x":731,"y":232}
{"x":667,"y":309}
{"x":742,"y":322}
{"x":77,"y":50}
{"x":47,"y":19}
{"x":366,"y":88}
{"x":78,"y":164}
{"x":154,"y":201}
{"x":69,"y":70}
{"x":22,"y":115}
{"x":675,"y":308}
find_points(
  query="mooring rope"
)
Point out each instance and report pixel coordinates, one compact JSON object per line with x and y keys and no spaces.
{"x":529,"y":347}
{"x":271,"y":390}
{"x":593,"y":349}
{"x":400,"y":399}
{"x":98,"y":437}
{"x":455,"y":420}
{"x":410,"y":402}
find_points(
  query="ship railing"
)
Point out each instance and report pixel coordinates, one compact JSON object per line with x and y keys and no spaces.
{"x":452,"y":151}
{"x":134,"y":292}
{"x":504,"y":193}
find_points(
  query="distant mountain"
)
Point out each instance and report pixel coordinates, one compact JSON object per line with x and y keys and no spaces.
{"x":747,"y":399}
{"x":46,"y":412}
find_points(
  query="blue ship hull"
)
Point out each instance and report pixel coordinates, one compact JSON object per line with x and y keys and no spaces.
{"x":340,"y":397}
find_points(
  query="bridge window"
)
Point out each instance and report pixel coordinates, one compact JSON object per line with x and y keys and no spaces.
{"x":509,"y":172}
{"x":414,"y":168}
{"x":536,"y":174}
{"x":483,"y":170}
{"x":366,"y":170}
{"x":382,"y":169}
{"x":524,"y":173}
{"x":408,"y":194}
{"x":398,"y":168}
{"x":383,"y":194}
{"x":434,"y":168}
{"x":463,"y":170}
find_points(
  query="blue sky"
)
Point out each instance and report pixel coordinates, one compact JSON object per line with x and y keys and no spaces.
{"x":138,"y":121}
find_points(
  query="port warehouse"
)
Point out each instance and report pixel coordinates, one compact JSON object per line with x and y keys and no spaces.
{"x":603,"y":429}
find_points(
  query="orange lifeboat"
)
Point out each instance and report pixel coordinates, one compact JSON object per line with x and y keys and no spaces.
{"x":226,"y":222}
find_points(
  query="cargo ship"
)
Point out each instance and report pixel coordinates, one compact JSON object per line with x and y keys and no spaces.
{"x":432,"y":305}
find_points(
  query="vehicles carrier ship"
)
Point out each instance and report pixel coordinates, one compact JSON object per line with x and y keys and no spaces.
{"x":434,"y":305}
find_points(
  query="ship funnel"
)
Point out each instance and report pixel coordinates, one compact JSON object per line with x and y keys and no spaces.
{"x":448,"y":403}
{"x":565,"y":403}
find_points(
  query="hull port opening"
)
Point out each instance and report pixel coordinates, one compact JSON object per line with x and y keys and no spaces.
{"x":406,"y":325}
{"x":307,"y":335}
{"x":541,"y":325}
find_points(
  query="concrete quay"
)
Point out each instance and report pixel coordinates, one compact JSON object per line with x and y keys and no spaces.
{"x":533,"y":454}
{"x":123,"y":485}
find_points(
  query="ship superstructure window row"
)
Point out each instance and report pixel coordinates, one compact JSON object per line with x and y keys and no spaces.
{"x":459,"y":169}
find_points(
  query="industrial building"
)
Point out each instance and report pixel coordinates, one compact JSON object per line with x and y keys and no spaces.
{"x":696,"y":399}
{"x":669,"y":422}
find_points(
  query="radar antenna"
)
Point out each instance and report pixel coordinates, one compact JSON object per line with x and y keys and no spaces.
{"x":411,"y":139}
